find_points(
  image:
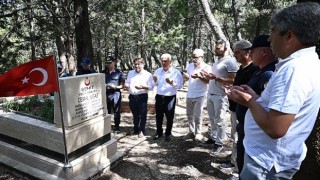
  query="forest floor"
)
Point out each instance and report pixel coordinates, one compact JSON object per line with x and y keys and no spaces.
{"x":145,"y":158}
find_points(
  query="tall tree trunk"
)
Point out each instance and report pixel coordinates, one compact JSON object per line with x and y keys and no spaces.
{"x":31,"y":32}
{"x":235,"y":12}
{"x":143,"y":33}
{"x":82,"y":31}
{"x":213,"y":23}
{"x":258,"y":19}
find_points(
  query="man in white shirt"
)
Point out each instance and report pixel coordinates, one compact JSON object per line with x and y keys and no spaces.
{"x":139,"y":82}
{"x":280,"y":120}
{"x":197,"y":90}
{"x":168,"y":80}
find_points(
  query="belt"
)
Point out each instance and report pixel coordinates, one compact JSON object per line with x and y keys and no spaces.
{"x":165,"y":95}
{"x":213,"y":94}
{"x":138,"y":94}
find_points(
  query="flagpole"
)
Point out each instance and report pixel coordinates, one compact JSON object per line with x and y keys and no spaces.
{"x":67,"y":164}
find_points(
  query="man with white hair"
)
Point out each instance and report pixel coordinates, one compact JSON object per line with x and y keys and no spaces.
{"x":197,"y":90}
{"x":168,"y":80}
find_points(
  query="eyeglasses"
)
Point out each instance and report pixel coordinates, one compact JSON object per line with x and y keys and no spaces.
{"x":194,"y":57}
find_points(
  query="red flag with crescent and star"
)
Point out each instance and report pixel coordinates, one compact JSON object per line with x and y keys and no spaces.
{"x":34,"y":77}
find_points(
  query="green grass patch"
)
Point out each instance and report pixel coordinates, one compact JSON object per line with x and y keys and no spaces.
{"x":34,"y":106}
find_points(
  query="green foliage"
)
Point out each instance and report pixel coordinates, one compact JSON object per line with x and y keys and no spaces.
{"x":43,"y":108}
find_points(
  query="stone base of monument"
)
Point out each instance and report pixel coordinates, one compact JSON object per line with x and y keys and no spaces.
{"x":44,"y":167}
{"x":36,"y":147}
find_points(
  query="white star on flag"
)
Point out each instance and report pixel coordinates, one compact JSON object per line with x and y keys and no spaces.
{"x":25,"y":80}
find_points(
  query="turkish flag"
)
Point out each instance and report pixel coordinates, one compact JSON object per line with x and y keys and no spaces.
{"x":34,"y":77}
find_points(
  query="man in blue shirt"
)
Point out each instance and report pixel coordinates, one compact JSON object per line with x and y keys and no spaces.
{"x":114,"y":81}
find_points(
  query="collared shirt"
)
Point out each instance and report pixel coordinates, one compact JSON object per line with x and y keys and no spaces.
{"x":294,"y":88}
{"x":196,"y":87}
{"x":222,"y":68}
{"x":164,"y":88}
{"x":143,"y":78}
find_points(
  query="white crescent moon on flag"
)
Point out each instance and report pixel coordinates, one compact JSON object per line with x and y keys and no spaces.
{"x":45,"y":76}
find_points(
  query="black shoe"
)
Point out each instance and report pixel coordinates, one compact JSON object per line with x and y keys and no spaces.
{"x":209,"y":141}
{"x":157,"y":136}
{"x":116,"y":131}
{"x":133,"y":132}
{"x":216,"y":149}
{"x":227,"y":165}
{"x":167,"y":138}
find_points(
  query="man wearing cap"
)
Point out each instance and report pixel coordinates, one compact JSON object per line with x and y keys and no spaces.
{"x":263,"y":57}
{"x":168,"y":80}
{"x":278,"y":122}
{"x":223,"y":72}
{"x":85,"y":67}
{"x":114,"y":81}
{"x":197,"y":89}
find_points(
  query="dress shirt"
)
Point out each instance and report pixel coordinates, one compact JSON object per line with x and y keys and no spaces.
{"x":164,"y":88}
{"x":143,"y":78}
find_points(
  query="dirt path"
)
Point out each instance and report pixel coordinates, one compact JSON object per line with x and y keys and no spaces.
{"x":157,"y":159}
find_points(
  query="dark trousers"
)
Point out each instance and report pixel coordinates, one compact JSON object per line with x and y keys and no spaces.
{"x":240,"y":147}
{"x":138,"y":106}
{"x":165,"y":105}
{"x":114,"y":105}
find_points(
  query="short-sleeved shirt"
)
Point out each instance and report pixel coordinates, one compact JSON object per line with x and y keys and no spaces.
{"x":137,"y":79}
{"x":222,"y":68}
{"x":196,"y":87}
{"x":163,"y":88}
{"x":258,"y":82}
{"x":115,"y":77}
{"x":294,"y":88}
{"x":243,"y":76}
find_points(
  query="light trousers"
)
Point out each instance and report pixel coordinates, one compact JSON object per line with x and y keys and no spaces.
{"x":194,"y":110}
{"x":217,"y":107}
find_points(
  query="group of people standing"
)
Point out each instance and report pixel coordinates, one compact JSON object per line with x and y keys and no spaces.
{"x":273,"y":96}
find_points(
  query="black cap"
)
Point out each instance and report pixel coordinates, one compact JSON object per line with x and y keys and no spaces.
{"x":259,"y":41}
{"x":110,"y":59}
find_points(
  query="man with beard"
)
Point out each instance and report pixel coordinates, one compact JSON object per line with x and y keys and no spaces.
{"x":223,"y":72}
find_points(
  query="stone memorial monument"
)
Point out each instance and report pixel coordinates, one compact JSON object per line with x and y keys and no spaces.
{"x":38,"y":148}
